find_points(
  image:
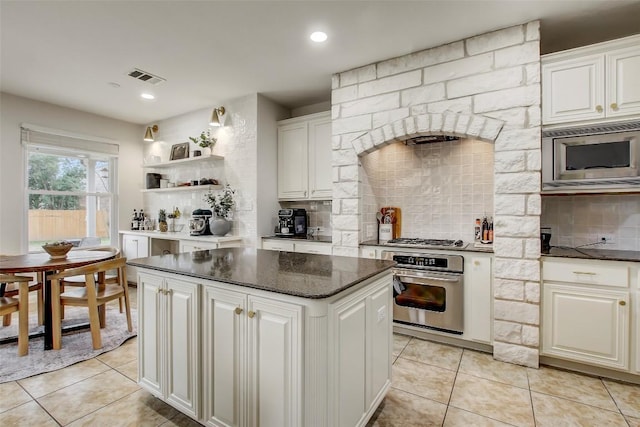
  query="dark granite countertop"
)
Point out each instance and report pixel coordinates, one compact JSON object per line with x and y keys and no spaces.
{"x":299,"y":274}
{"x":602,"y":254}
{"x":320,"y":239}
{"x":466,"y":247}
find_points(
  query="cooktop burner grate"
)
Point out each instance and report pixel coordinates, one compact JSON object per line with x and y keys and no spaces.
{"x":417,"y":242}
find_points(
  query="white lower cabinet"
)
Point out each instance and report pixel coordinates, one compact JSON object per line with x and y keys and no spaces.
{"x":322,"y":248}
{"x":252,"y":360}
{"x":267,"y":359}
{"x":192,"y":245}
{"x":586,"y":312}
{"x":168,"y":365}
{"x":134,"y":247}
{"x":478,"y":298}
{"x":589,"y":325}
{"x":313,"y":248}
{"x":275,"y":245}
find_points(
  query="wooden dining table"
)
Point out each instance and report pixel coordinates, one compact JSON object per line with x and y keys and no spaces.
{"x":40,"y":262}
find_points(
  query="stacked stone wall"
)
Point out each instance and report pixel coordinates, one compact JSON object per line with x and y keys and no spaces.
{"x":485,"y":87}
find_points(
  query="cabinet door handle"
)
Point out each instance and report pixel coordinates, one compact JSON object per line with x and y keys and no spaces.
{"x":614,"y":106}
{"x":622,"y":303}
{"x":251,"y":314}
{"x":238,"y":310}
{"x":159,"y":290}
{"x":304,"y":194}
{"x":589,"y":273}
{"x":599,"y":108}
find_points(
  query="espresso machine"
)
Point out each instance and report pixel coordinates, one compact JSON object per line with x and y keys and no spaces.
{"x":199,"y":222}
{"x":292,"y":223}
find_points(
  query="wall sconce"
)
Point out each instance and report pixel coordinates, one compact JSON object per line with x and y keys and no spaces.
{"x":148,"y":135}
{"x":216,"y":115}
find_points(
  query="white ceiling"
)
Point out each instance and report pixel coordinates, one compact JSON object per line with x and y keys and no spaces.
{"x":67,"y":52}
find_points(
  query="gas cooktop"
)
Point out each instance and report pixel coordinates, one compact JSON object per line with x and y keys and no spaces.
{"x":408,"y":242}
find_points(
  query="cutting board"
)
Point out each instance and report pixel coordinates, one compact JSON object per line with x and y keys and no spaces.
{"x":394,"y":216}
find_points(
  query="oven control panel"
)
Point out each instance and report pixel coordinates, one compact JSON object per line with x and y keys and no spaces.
{"x":451,"y":263}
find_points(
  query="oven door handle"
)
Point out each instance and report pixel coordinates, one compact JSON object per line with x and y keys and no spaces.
{"x":429,"y":279}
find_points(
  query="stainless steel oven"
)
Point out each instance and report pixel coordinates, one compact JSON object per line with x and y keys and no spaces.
{"x":428,"y":290}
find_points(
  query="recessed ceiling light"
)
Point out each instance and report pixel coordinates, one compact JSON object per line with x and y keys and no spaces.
{"x":147,"y":96}
{"x":114,"y":85}
{"x":318,"y":36}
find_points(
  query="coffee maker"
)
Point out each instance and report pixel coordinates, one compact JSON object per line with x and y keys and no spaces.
{"x":292,"y":223}
{"x":285,"y":223}
{"x":199,"y":222}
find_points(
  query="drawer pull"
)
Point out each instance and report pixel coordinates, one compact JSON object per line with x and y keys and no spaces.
{"x":599,"y":108}
{"x":251,"y":314}
{"x":238,"y":310}
{"x":623,"y":303}
{"x":589,"y":273}
{"x":614,"y":106}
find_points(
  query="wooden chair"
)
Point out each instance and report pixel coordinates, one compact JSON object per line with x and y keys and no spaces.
{"x":12,"y":290}
{"x":108,"y":277}
{"x":94,"y":296}
{"x":9,"y":305}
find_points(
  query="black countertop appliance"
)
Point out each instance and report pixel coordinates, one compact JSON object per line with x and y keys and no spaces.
{"x":199,"y":222}
{"x":291,"y":223}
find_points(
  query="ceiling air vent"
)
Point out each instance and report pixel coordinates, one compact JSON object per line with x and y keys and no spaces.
{"x":138,"y":74}
{"x":429,"y":139}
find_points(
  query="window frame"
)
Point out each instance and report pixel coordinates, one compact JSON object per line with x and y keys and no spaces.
{"x":100,"y":152}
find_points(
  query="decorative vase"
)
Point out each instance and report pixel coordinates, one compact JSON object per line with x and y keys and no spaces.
{"x":163,"y":226}
{"x":220,"y":226}
{"x":206,"y":151}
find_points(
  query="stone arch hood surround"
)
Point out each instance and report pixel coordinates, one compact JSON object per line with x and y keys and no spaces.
{"x":448,"y":123}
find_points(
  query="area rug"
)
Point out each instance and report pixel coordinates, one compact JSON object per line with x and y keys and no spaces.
{"x":76,"y":346}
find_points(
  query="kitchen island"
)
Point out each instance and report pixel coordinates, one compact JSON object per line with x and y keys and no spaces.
{"x":243,"y":336}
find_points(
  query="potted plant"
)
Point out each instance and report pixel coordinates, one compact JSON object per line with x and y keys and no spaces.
{"x":222,"y":205}
{"x":204,"y":140}
{"x":162,"y":220}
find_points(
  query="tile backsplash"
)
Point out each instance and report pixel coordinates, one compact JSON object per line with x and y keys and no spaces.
{"x":318,"y":214}
{"x":441,"y":188}
{"x":583,"y":219}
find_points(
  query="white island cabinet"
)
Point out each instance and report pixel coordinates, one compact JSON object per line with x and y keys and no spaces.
{"x":168,"y":349}
{"x":266,"y":335}
{"x":284,"y":339}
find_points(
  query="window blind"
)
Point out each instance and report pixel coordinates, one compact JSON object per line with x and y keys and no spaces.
{"x":52,"y":139}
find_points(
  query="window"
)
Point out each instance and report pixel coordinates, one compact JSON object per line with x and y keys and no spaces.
{"x":70,"y":192}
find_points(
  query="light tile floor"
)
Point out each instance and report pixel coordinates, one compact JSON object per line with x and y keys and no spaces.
{"x":440,"y":385}
{"x":433,"y":385}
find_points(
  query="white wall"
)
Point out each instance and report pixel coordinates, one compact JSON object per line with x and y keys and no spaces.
{"x":16,"y":110}
{"x":267,"y":161}
{"x":248,"y":142}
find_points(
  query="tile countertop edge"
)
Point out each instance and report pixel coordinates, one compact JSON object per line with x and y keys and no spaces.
{"x":375,"y":268}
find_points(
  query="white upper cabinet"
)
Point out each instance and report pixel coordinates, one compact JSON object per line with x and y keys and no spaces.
{"x":293,"y":181}
{"x":304,"y":158}
{"x":623,"y":69}
{"x":592,"y":83}
{"x":320,"y":176}
{"x":572,"y":90}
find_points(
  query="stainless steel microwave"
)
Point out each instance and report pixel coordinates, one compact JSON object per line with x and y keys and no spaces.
{"x":591,"y":162}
